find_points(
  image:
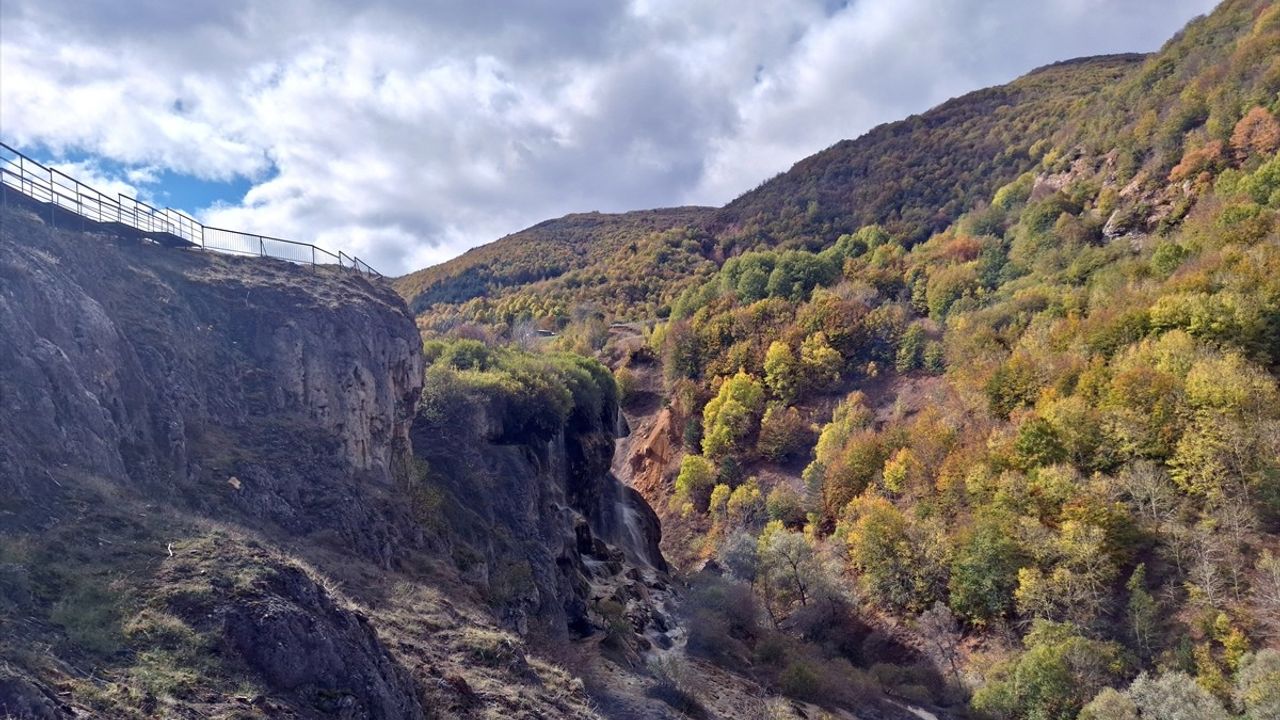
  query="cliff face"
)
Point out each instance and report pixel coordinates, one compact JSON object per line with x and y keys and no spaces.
{"x":239,"y":387}
{"x":543,"y":526}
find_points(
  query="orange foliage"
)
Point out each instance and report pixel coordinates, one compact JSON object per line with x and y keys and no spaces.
{"x":963,"y":248}
{"x":1257,"y":133}
{"x":1196,"y":161}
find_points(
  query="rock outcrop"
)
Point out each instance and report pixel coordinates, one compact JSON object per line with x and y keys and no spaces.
{"x":540,"y":524}
{"x":234,"y":386}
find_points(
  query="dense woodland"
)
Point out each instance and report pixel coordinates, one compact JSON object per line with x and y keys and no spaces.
{"x":981,"y":409}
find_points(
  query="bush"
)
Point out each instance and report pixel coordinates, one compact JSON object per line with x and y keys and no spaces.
{"x":800,"y":680}
{"x":671,"y":686}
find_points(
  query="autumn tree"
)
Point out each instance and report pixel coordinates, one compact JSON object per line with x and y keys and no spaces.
{"x":782,"y":372}
{"x":984,"y":568}
{"x":1058,"y":673}
{"x":730,"y":418}
{"x":899,"y":563}
{"x":694,"y":484}
{"x":783,"y":434}
{"x":820,"y":362}
{"x":1257,"y":134}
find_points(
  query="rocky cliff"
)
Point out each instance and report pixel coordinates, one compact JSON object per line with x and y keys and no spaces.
{"x":214,"y":502}
{"x":239,"y":387}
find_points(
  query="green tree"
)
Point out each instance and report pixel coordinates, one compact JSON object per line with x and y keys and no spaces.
{"x":785,"y":505}
{"x":694,"y":484}
{"x":1037,"y":443}
{"x":1142,"y":612}
{"x":911,"y":349}
{"x":782,"y":372}
{"x":730,"y":419}
{"x":1058,"y":673}
{"x":894,"y":559}
{"x":984,"y":570}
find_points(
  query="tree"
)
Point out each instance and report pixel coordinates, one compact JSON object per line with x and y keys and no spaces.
{"x":984,"y":570}
{"x":1077,"y":586}
{"x":788,"y":569}
{"x":738,"y":555}
{"x":694,"y":484}
{"x":1109,"y":704}
{"x":1257,"y":134}
{"x":898,"y":564}
{"x":898,"y":469}
{"x":911,"y":349}
{"x":785,"y":505}
{"x":746,"y":504}
{"x":782,"y":372}
{"x":1266,"y":591}
{"x":1142,"y":612}
{"x":729,"y":420}
{"x":717,"y":506}
{"x":1258,"y":685}
{"x":821,"y":362}
{"x":1174,"y":696}
{"x":783,"y":434}
{"x":1052,"y":680}
{"x":1037,"y":443}
{"x":851,"y":471}
{"x":947,"y":285}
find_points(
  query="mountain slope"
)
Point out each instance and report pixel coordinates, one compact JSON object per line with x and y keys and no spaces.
{"x":914,"y":175}
{"x":545,"y":251}
{"x":1021,"y":418}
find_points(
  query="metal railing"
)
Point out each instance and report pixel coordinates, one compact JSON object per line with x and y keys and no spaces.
{"x":61,"y":192}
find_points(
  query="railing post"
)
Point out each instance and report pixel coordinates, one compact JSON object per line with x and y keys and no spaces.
{"x":53,"y":201}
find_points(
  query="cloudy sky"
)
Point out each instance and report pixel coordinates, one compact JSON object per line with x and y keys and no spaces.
{"x":409,"y":130}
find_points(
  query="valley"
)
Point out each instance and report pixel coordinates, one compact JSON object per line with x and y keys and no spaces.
{"x":976,"y":415}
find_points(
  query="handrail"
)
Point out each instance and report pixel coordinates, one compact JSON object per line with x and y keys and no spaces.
{"x":59,"y":191}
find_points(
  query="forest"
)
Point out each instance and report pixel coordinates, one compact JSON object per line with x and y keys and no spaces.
{"x":982,"y":409}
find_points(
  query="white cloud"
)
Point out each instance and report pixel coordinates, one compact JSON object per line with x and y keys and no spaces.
{"x":406,"y":132}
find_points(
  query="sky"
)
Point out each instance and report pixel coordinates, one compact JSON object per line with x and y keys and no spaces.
{"x":407,"y":131}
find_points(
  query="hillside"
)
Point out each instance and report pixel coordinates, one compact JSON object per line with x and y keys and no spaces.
{"x":546,"y":251}
{"x":231,"y":489}
{"x":975,"y":417}
{"x":915,"y":176}
{"x":982,"y":409}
